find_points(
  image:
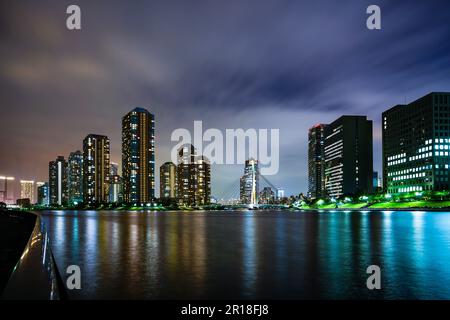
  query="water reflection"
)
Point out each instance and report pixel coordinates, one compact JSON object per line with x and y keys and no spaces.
{"x":253,"y":254}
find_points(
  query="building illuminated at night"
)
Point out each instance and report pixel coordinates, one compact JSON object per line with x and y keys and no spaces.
{"x":416,"y":145}
{"x":115,"y":189}
{"x":249,"y":188}
{"x":6,"y":190}
{"x":75,"y":177}
{"x":193,"y":177}
{"x":42,"y":193}
{"x":96,"y":169}
{"x":202,"y":180}
{"x":348,"y":156}
{"x":138,"y":156}
{"x":57,"y":178}
{"x":27,"y":190}
{"x":316,"y":161}
{"x":168,"y":180}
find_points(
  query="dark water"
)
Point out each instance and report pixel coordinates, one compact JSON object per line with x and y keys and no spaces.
{"x":240,"y":255}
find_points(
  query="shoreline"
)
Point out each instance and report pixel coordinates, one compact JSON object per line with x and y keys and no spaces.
{"x":258,"y":210}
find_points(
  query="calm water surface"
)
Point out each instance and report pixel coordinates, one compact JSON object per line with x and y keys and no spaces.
{"x":244,"y":255}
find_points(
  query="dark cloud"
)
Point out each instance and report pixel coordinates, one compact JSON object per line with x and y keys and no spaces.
{"x":261,"y":64}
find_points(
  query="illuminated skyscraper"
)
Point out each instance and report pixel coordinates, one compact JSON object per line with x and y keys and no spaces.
{"x":138,"y":156}
{"x":168,"y":180}
{"x":75,"y":177}
{"x":42,"y":193}
{"x":416,"y":145}
{"x":250,"y":183}
{"x":186,"y":175}
{"x":316,"y":161}
{"x":57,"y":178}
{"x":96,"y":170}
{"x":202,"y":181}
{"x":27,"y":190}
{"x":193,"y":177}
{"x":348,"y":156}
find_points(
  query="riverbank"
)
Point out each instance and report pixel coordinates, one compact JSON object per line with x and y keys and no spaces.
{"x":392,"y":205}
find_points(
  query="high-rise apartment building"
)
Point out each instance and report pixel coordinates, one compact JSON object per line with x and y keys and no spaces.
{"x":416,"y":145}
{"x":138,"y":156}
{"x":193,"y":177}
{"x":27,"y":190}
{"x":316,"y":161}
{"x":96,"y":169}
{"x":249,"y":188}
{"x":57,"y":179}
{"x":168,"y":180}
{"x":202,"y":181}
{"x":42,"y":193}
{"x":75,"y":177}
{"x":348,"y":156}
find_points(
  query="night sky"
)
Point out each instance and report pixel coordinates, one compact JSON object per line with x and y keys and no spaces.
{"x":232,"y":64}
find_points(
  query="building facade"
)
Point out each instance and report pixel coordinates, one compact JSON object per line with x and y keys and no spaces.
{"x":193,"y":177}
{"x":115,"y":189}
{"x":6,"y":190}
{"x":348,"y":156}
{"x":96,"y":169}
{"x":416,"y":145}
{"x":27,"y":190}
{"x":168,"y":180}
{"x":42,"y":193}
{"x":267,"y":196}
{"x":202,"y":181}
{"x":57,"y":180}
{"x":249,"y":189}
{"x":138,"y":156}
{"x":75,"y":177}
{"x":316,"y":161}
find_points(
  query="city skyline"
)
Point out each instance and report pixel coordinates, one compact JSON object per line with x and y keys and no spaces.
{"x":305,"y":63}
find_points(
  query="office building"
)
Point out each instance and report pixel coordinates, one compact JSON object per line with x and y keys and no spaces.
{"x":75,"y":177}
{"x":348,"y":156}
{"x":138,"y":156}
{"x":316,"y":161}
{"x":57,"y":180}
{"x":416,"y":145}
{"x":168,"y":180}
{"x":96,"y":170}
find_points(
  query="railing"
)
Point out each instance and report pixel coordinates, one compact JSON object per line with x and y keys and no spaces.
{"x":35,"y":276}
